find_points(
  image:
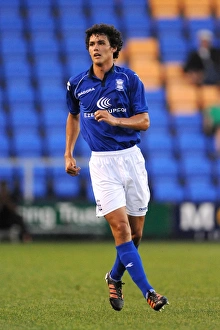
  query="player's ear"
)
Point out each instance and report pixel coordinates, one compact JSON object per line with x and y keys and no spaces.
{"x":114,"y":49}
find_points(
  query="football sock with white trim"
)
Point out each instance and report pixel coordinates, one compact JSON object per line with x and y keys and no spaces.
{"x":131,"y":260}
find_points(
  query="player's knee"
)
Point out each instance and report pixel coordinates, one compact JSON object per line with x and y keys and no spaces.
{"x":136,"y":237}
{"x":121,"y":231}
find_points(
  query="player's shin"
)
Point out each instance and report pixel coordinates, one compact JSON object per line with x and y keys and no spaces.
{"x":131,"y":260}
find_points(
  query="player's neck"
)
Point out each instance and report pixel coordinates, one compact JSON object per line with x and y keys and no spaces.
{"x":100,"y":70}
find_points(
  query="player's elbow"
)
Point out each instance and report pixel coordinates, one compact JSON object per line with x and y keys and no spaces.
{"x":146,"y":123}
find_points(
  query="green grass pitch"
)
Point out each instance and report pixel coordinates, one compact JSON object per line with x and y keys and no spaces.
{"x":61,"y":286}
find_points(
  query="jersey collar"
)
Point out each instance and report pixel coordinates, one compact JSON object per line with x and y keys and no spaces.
{"x":91,"y":73}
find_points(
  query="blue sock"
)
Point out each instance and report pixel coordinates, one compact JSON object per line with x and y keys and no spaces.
{"x":118,"y":268}
{"x":131,"y":260}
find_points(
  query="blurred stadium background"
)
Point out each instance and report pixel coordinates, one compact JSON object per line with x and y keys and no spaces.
{"x":42,"y":45}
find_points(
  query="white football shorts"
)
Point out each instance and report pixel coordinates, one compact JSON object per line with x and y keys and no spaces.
{"x":119,"y":178}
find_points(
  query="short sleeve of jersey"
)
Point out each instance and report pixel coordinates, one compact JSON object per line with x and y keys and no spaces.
{"x":137,"y":94}
{"x":72,"y":102}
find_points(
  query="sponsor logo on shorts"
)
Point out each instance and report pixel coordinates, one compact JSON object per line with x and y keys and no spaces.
{"x":99,"y":205}
{"x":143,"y":208}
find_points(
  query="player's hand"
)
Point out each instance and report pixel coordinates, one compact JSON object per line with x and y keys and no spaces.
{"x":70,"y":167}
{"x":104,"y":115}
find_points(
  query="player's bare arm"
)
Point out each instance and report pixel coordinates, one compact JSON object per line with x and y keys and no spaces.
{"x":72,"y":132}
{"x":138,"y":122}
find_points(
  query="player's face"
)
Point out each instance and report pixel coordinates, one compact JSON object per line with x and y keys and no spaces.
{"x":100,"y":49}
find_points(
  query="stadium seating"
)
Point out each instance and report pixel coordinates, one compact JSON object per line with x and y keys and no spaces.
{"x":12,"y":45}
{"x":29,"y":119}
{"x":142,"y":49}
{"x":54,"y":142}
{"x":40,"y":19}
{"x":6,"y":5}
{"x":77,"y":63}
{"x":160,"y":120}
{"x":208,"y":95}
{"x":40,"y":3}
{"x":103,"y":13}
{"x":53,"y":117}
{"x":10,"y":18}
{"x":216,"y":174}
{"x":89,"y":192}
{"x":196,"y":8}
{"x":182,"y":100}
{"x":4,"y":144}
{"x":156,"y":99}
{"x":7,"y":173}
{"x":40,"y":181}
{"x":47,"y":65}
{"x":164,"y":8}
{"x":216,"y":8}
{"x":163,"y":167}
{"x":167,"y":190}
{"x":25,"y":105}
{"x":20,"y":89}
{"x":190,"y":143}
{"x":173,"y":73}
{"x":171,"y":26}
{"x":137,"y":25}
{"x":82,"y":149}
{"x":155,"y":142}
{"x":193,"y":25}
{"x":198,"y":190}
{"x":187,"y":123}
{"x":72,"y":21}
{"x":51,"y":92}
{"x":195,"y":166}
{"x":42,"y":44}
{"x":67,"y":3}
{"x":86,"y":185}
{"x":3,"y":123}
{"x":150,"y":72}
{"x":173,"y":49}
{"x":143,"y":57}
{"x":65,"y":186}
{"x":131,"y":5}
{"x":27,"y":144}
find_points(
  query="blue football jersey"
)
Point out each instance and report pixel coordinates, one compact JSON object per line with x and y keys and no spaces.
{"x":121,"y":92}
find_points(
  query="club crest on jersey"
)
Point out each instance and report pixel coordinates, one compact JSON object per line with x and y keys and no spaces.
{"x":119,"y":85}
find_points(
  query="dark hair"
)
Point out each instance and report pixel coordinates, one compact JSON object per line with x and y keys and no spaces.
{"x":114,"y":36}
